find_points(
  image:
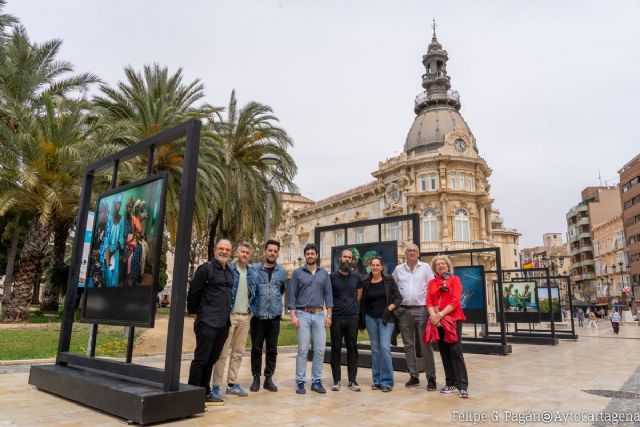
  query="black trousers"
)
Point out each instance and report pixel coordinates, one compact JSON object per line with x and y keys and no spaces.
{"x":616,"y":327}
{"x":346,"y":329}
{"x":455,"y":369}
{"x":264,"y":330}
{"x":209,"y":344}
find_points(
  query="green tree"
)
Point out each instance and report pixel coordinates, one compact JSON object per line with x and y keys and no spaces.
{"x":6,"y":20}
{"x":242,"y":137}
{"x":35,"y":181}
{"x":147,"y":103}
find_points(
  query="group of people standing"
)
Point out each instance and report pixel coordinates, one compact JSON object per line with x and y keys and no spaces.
{"x":229,"y":300}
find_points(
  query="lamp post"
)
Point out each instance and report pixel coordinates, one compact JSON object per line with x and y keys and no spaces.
{"x":270,"y":161}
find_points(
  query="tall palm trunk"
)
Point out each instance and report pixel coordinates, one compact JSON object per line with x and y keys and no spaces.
{"x":11,"y":261}
{"x":28,"y":272}
{"x":212,"y":233}
{"x":55,"y":281}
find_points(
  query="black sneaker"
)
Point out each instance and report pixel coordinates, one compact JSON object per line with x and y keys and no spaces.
{"x":431,"y":385}
{"x":269,"y":385}
{"x":376,"y":387}
{"x":413,"y":382}
{"x":386,"y":389}
{"x":255,"y":385}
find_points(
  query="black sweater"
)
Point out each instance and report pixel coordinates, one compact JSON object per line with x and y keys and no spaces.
{"x":393,"y":297}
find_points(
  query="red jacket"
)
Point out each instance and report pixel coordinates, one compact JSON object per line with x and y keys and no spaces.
{"x":450,"y":331}
{"x":438,"y":297}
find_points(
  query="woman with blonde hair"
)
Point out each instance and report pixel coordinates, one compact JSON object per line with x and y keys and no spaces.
{"x":443,"y":304}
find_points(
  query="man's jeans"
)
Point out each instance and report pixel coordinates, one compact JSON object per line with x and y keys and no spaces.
{"x":237,"y":341}
{"x":414,"y":320}
{"x":311,"y":328}
{"x":381,"y":362}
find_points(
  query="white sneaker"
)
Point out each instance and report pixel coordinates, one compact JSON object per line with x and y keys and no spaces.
{"x":336,"y":386}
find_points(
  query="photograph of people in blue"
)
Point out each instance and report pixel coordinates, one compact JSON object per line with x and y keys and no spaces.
{"x":519,"y":297}
{"x":124,"y":237}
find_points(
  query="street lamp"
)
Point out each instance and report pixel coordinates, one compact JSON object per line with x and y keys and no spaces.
{"x":270,"y":161}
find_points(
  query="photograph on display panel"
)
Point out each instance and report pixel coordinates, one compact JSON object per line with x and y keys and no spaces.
{"x":363,"y":253}
{"x":519,"y":297}
{"x":473,"y":299}
{"x":543,"y":298}
{"x":124,"y":254}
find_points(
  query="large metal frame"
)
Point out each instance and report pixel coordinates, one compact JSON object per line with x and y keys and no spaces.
{"x":415,"y":227}
{"x":541,"y":336}
{"x":167,"y":380}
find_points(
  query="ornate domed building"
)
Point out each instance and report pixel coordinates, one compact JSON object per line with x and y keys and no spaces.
{"x":440,"y":175}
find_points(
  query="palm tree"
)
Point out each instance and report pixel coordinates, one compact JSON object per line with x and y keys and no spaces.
{"x":6,"y":20}
{"x":146,"y":104}
{"x":241,"y":139}
{"x":34,"y":179}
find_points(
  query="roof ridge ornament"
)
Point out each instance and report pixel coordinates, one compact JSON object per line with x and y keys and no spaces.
{"x":434,"y":26}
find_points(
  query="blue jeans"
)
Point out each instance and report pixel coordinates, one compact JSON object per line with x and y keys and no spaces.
{"x":311,"y":328}
{"x":381,"y":363}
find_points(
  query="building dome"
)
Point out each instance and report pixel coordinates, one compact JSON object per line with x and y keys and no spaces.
{"x":430,"y":128}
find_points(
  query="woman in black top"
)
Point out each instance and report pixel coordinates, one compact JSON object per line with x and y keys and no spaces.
{"x":380,"y":296}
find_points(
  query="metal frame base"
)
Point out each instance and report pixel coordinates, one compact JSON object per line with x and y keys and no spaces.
{"x":135,"y":402}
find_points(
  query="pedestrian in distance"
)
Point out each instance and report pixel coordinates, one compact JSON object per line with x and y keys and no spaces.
{"x":615,"y":321}
{"x":580,"y":316}
{"x":593,"y":320}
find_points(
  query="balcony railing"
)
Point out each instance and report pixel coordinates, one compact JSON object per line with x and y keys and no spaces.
{"x":451,"y":245}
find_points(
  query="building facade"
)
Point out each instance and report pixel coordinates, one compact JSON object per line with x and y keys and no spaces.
{"x":610,"y":261}
{"x":598,"y":205}
{"x":440,"y":175}
{"x":630,"y":198}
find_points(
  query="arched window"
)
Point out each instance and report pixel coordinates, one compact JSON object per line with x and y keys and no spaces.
{"x":462,"y":225}
{"x":430,"y":225}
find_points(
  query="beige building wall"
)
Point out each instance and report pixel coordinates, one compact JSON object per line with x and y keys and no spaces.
{"x":608,"y":251}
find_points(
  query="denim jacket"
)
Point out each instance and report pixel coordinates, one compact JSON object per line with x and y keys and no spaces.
{"x":266,"y":300}
{"x":236,"y":282}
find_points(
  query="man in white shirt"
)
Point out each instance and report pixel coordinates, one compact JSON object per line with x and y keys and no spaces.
{"x":413,"y":278}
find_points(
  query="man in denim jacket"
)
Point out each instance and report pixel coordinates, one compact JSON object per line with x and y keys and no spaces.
{"x":267,"y":284}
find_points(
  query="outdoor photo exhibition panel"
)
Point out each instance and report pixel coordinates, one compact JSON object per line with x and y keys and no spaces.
{"x":120,"y":275}
{"x":124,"y":259}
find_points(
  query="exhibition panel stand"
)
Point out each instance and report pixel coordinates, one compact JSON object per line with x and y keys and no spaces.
{"x":137,"y":393}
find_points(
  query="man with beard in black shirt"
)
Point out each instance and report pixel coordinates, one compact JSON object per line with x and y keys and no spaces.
{"x":209,"y":300}
{"x":347,"y":291}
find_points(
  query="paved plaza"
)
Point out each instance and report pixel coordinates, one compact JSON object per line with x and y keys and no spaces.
{"x":531,"y":380}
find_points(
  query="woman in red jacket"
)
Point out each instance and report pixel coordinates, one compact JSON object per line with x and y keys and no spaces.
{"x":443,"y":300}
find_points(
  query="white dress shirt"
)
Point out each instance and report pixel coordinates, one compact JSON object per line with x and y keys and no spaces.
{"x":413,"y":284}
